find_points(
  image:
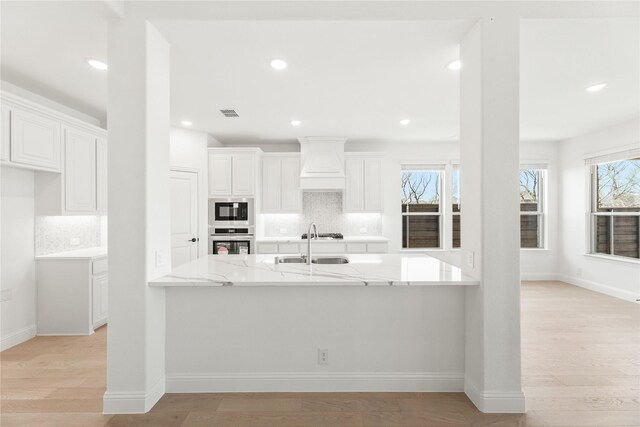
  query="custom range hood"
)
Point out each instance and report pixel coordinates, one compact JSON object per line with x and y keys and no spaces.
{"x":322,"y":163}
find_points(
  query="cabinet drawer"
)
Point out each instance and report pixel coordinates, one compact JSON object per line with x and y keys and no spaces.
{"x":288,"y":248}
{"x":376,"y":248}
{"x":327,"y":248}
{"x":357,"y":248}
{"x":267,"y":248}
{"x":99,"y":266}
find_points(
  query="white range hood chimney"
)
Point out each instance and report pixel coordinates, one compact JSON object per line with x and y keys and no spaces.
{"x":322,"y":163}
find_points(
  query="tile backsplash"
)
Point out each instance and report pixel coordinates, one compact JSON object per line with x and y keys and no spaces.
{"x":66,"y":233}
{"x":325,"y":209}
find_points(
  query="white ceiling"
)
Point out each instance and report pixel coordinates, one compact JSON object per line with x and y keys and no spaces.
{"x":346,"y":78}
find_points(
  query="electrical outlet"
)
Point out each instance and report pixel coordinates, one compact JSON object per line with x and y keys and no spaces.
{"x":74,"y":241}
{"x":159,"y":259}
{"x":470,"y":259}
{"x":283,"y":230}
{"x":363,"y":230}
{"x":6,"y":294}
{"x":323,"y":356}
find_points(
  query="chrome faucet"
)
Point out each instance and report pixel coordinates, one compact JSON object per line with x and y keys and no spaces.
{"x":315,"y":233}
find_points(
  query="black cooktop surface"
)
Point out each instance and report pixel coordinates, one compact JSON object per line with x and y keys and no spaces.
{"x":326,"y":236}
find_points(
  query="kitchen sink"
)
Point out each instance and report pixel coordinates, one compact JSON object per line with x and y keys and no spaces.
{"x":330,"y":260}
{"x":290,"y":260}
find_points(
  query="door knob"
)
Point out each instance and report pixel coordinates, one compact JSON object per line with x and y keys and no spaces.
{"x":193,"y":240}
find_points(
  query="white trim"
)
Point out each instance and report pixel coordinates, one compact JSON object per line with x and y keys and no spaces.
{"x":140,"y":402}
{"x":493,"y":402}
{"x":535,"y":277}
{"x":612,"y":155}
{"x":17,"y":337}
{"x":315,"y":382}
{"x":600,"y":288}
{"x":614,"y":258}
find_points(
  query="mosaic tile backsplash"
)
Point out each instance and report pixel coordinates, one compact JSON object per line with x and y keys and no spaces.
{"x":55,"y":233}
{"x":325,"y":209}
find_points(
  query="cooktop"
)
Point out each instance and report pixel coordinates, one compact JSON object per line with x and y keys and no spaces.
{"x":326,"y":236}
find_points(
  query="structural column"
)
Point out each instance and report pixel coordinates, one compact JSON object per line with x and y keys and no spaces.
{"x":489,"y":133}
{"x":139,"y":213}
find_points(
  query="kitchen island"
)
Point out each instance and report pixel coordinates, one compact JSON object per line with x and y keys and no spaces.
{"x":387,"y":322}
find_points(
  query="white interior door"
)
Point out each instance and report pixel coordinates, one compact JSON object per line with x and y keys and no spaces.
{"x":184,"y":217}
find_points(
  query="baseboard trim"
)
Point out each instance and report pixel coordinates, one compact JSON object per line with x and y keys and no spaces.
{"x":599,"y":287}
{"x":314,"y":382}
{"x":538,"y":276}
{"x":17,"y":337}
{"x":133,"y":402}
{"x":495,"y":402}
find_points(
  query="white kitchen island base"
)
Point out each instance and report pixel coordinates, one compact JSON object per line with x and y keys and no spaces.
{"x":245,"y":323}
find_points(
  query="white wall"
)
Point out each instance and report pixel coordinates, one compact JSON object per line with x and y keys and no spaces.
{"x":188,"y":149}
{"x":17,"y":264}
{"x":612,"y":277}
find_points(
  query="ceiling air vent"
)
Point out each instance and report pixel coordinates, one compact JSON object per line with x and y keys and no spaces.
{"x":229,"y":113}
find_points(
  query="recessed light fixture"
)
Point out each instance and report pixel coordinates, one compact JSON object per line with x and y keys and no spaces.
{"x":278,"y":64}
{"x":454,"y":65}
{"x":186,"y":123}
{"x":98,"y":65}
{"x":295,"y":122}
{"x":596,"y":88}
{"x":405,"y":122}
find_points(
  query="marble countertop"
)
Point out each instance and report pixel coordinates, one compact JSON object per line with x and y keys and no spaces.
{"x":362,"y":270}
{"x":88,"y":253}
{"x":347,"y":239}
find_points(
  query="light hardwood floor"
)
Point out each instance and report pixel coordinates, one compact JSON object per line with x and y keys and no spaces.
{"x":581,"y":367}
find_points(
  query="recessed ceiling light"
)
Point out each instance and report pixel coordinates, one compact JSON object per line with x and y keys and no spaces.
{"x":278,"y":64}
{"x":295,"y":122}
{"x":405,"y":121}
{"x":98,"y":65}
{"x":454,"y":65}
{"x":596,"y":88}
{"x":186,"y":123}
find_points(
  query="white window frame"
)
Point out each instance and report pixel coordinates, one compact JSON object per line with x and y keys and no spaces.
{"x":455,"y":167}
{"x":541,"y":213}
{"x":412,"y":166}
{"x":592,"y":164}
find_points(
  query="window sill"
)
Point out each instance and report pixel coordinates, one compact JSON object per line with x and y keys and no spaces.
{"x":423,"y":250}
{"x":614,"y":258}
{"x":535,"y":249}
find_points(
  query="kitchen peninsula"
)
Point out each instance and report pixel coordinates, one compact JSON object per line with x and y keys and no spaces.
{"x":381,"y":322}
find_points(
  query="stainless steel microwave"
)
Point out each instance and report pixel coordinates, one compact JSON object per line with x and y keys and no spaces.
{"x":231,"y":213}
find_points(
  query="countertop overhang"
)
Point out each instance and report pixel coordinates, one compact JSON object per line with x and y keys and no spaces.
{"x":362,"y":270}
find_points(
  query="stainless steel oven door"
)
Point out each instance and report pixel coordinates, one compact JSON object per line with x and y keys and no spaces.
{"x":230,"y":245}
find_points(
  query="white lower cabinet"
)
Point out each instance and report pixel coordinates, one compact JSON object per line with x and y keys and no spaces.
{"x":323,"y":247}
{"x":72,"y":295}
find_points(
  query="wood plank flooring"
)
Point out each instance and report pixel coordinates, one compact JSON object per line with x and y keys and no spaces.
{"x":580,"y":360}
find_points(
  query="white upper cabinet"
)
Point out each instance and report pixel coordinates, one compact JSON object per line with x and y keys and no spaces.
{"x":281,"y":183}
{"x":35,"y":140}
{"x":219,"y":175}
{"x":80,"y":171}
{"x":101,"y":175}
{"x":5,"y":133}
{"x":243,"y":174}
{"x":232,"y":173}
{"x":363,"y":187}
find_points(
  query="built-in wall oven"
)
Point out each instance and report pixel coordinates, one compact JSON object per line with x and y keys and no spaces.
{"x":231,"y":241}
{"x":231,"y":226}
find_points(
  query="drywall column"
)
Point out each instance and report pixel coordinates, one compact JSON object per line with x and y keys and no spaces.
{"x":139,"y":217}
{"x":489,"y":133}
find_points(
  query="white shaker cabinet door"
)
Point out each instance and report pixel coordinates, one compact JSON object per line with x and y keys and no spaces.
{"x":354,"y":185}
{"x":35,"y":140}
{"x":100,"y":296}
{"x":243,"y":172}
{"x":219,"y":175}
{"x":290,"y":188}
{"x":373,"y":196}
{"x":101,"y":175}
{"x":79,"y":171}
{"x":271,"y":184}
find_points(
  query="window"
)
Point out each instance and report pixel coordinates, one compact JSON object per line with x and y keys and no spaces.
{"x":421,"y":189}
{"x":532,"y":208}
{"x":455,"y":206}
{"x":615,"y":207}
